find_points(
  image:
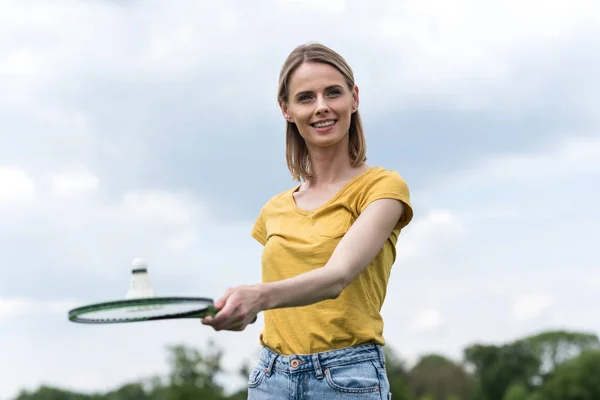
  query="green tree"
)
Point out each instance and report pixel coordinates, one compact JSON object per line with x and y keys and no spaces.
{"x":536,"y":396}
{"x":516,"y":392}
{"x":239,"y":395}
{"x":552,"y":348}
{"x":193,"y":368}
{"x":499,"y":367}
{"x":397,"y":375}
{"x":438,"y":377}
{"x":130,"y":391}
{"x":194,"y":374}
{"x":576,"y":379}
{"x":50,"y":393}
{"x":567,"y":363}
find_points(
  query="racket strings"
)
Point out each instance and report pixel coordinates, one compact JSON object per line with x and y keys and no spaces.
{"x":134,"y":311}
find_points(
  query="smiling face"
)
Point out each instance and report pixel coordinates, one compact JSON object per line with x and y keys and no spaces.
{"x":320,"y":104}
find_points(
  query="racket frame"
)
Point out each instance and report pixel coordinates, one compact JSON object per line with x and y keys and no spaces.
{"x":205,"y":310}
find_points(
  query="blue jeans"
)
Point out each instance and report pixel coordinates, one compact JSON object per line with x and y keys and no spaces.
{"x":353,"y":373}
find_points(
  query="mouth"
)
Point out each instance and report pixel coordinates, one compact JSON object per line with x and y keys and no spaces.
{"x":324,"y":124}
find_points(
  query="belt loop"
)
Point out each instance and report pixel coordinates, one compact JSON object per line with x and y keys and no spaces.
{"x":269,"y":369}
{"x":317,"y":365}
{"x":381,"y":355}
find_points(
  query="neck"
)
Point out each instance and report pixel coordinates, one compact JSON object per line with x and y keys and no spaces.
{"x":330,"y":165}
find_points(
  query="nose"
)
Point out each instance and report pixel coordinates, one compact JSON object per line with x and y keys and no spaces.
{"x":322,"y":106}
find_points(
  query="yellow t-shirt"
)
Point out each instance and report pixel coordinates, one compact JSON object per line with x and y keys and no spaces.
{"x":297,"y":241}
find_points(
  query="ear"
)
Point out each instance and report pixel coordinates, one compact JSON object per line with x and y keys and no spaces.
{"x":285,"y":111}
{"x":355,"y":99}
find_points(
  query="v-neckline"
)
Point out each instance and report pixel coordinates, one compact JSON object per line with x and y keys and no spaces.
{"x":332,"y":199}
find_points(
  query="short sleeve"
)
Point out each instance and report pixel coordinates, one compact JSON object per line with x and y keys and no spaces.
{"x":259,"y":230}
{"x":388,"y":184}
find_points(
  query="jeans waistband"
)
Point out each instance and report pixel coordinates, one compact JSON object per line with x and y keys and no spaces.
{"x":270,"y":360}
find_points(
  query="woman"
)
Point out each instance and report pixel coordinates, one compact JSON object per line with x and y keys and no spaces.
{"x":329,"y":245}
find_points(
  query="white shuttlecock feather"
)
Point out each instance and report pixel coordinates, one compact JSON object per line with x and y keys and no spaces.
{"x":139,"y":283}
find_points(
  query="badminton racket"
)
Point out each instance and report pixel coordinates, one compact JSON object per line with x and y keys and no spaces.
{"x":143,"y":309}
{"x":142,"y":304}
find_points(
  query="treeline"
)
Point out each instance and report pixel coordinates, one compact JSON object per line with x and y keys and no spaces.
{"x":554,"y":365}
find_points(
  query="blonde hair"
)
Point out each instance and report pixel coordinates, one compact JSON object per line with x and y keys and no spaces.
{"x":297,"y":157}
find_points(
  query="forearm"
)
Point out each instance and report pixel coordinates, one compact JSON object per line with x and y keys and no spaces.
{"x":351,"y":256}
{"x":348,"y":261}
{"x":308,"y":288}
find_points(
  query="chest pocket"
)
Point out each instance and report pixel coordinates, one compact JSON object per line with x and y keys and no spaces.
{"x":332,"y":223}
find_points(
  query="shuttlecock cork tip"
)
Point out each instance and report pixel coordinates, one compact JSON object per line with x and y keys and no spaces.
{"x":139,"y":264}
{"x":139,"y":284}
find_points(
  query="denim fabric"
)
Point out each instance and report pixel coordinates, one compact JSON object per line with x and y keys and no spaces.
{"x":353,"y":373}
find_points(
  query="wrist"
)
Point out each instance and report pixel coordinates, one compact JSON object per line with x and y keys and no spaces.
{"x":264,"y":296}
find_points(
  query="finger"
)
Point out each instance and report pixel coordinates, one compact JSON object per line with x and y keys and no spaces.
{"x":230,"y":322}
{"x":220,"y":303}
{"x":224,"y":318}
{"x":241,"y":324}
{"x":240,"y":327}
{"x":235,"y":324}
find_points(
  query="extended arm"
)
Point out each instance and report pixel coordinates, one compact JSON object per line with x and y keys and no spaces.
{"x":356,"y":250}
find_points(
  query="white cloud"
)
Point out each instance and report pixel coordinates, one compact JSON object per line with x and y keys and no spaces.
{"x":469,"y":22}
{"x":22,"y":62}
{"x":469,"y":53}
{"x":69,"y":211}
{"x":11,"y":307}
{"x":426,"y":320}
{"x":63,"y":37}
{"x":569,"y":156}
{"x":531,"y":305}
{"x":330,"y":7}
{"x":183,"y":240}
{"x":522,"y":257}
{"x":466,"y":54}
{"x":16,"y":186}
{"x":594,"y":283}
{"x":438,"y":229}
{"x":73,"y":182}
{"x":17,"y":307}
{"x":554,"y":168}
{"x":159,"y":206}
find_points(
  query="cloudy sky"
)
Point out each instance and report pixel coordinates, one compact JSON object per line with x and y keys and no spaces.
{"x":150,"y":129}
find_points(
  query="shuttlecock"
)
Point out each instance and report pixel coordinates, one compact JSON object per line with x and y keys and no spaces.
{"x":139,"y":284}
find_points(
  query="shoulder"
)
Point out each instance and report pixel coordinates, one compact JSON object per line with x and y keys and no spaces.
{"x":383,"y":183}
{"x":273,"y":207}
{"x":379,"y":181}
{"x":380,"y":176}
{"x":279,"y":200}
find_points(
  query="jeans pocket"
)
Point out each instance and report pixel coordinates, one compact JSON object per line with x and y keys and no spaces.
{"x":361,"y":377}
{"x":256,"y":377}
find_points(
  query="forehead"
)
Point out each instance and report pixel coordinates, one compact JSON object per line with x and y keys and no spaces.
{"x":314,"y":76}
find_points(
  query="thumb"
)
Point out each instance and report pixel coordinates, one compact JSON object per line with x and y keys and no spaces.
{"x":220,"y":303}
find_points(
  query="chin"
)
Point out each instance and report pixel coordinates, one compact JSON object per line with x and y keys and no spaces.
{"x":326,"y":140}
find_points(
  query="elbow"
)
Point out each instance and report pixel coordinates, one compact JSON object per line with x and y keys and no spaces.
{"x":335,"y":292}
{"x":337,"y":287}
